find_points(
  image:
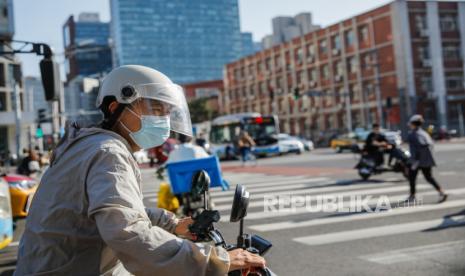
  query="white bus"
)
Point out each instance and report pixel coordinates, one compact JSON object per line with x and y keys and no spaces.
{"x":225,"y":131}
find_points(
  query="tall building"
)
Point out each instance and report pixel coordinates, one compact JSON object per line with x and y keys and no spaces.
{"x":80,"y":98}
{"x":87,"y":47}
{"x":15,"y":119}
{"x":285,"y":28}
{"x":189,"y":41}
{"x":383,"y":65}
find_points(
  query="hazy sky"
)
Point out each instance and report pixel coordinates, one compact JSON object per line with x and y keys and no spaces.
{"x":42,"y":20}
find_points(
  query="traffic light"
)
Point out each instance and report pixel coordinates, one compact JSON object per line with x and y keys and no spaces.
{"x":50,"y":73}
{"x":41,"y":115}
{"x":296,"y":93}
{"x":39,"y":132}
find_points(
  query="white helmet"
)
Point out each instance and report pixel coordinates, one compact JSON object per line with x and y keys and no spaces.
{"x":131,"y":82}
{"x":417,"y":118}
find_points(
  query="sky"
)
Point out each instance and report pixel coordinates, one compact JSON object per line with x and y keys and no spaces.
{"x":42,"y":20}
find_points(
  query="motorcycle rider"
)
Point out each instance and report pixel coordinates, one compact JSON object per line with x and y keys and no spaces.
{"x":420,"y":144}
{"x":375,"y":144}
{"x":88,"y":217}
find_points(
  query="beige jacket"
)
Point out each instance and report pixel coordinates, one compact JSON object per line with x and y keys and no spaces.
{"x":88,"y":218}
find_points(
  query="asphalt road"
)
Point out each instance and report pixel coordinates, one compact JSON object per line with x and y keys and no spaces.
{"x":427,"y":239}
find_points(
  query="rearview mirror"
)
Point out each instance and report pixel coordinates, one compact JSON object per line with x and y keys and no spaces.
{"x":200,"y":182}
{"x":240,"y":204}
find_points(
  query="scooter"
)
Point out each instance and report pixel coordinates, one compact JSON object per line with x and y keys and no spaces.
{"x":367,"y":164}
{"x":205,"y":231}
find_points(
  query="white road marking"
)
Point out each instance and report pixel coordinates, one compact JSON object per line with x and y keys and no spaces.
{"x":456,"y":248}
{"x":12,"y":244}
{"x":447,"y":173}
{"x":280,"y":186}
{"x":381,"y":231}
{"x":303,"y":210}
{"x":362,"y":216}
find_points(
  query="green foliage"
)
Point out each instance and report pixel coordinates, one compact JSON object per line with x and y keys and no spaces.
{"x":200,"y":111}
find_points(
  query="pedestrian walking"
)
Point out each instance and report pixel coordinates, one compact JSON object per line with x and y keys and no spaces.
{"x":246,"y":143}
{"x":421,"y":145}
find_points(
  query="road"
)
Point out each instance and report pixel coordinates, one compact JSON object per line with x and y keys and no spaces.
{"x":427,"y":239}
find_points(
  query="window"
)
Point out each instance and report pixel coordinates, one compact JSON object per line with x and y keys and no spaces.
{"x":363,"y":31}
{"x":2,"y":101}
{"x":2,"y":75}
{"x":426,"y":84}
{"x":423,"y":52}
{"x":420,"y":22}
{"x":350,"y":38}
{"x":352,"y":65}
{"x":354,"y":92}
{"x":268,"y":63}
{"x":323,"y":46}
{"x":299,"y":55}
{"x":369,"y":89}
{"x":451,"y":52}
{"x":325,"y":71}
{"x":454,"y":83}
{"x":312,"y":75}
{"x":336,"y":42}
{"x":339,"y":68}
{"x":367,"y":61}
{"x":278,"y":62}
{"x":448,"y":22}
{"x":311,"y":52}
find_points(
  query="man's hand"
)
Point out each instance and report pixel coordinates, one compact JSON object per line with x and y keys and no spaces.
{"x":182,"y":229}
{"x":241,"y":259}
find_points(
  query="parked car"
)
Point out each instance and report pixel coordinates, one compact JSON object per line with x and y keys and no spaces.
{"x":6,"y":217}
{"x":22,"y":190}
{"x":344,"y":142}
{"x":288,"y":144}
{"x":308,"y":144}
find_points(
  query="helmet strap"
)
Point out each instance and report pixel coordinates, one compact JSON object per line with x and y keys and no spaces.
{"x":109,"y":122}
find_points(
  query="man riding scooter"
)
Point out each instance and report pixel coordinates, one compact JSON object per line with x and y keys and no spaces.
{"x":375,"y":145}
{"x":88,"y":217}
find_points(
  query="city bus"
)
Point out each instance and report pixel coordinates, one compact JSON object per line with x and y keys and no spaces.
{"x":225,"y":132}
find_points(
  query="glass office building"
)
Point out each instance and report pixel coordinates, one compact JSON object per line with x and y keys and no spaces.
{"x":189,"y":41}
{"x":86,"y":46}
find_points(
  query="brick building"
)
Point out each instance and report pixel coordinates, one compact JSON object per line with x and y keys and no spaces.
{"x":382,"y":65}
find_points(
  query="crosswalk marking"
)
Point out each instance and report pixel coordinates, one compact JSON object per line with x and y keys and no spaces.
{"x":297,"y":211}
{"x":446,"y":249}
{"x":380,"y":231}
{"x":361,"y":216}
{"x":272,"y":186}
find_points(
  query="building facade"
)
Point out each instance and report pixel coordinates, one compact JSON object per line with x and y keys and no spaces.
{"x":402,"y":58}
{"x":15,"y":117}
{"x":189,"y":41}
{"x":87,"y":46}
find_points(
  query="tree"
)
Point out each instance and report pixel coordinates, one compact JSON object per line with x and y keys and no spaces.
{"x":201,"y":111}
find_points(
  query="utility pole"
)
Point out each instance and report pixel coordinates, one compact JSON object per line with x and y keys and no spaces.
{"x":15,"y":77}
{"x":348,"y":111}
{"x":460,"y":114}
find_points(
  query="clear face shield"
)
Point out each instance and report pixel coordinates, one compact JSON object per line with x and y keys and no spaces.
{"x":163,"y":100}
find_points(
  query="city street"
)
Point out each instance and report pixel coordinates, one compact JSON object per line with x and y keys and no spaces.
{"x":424,"y":240}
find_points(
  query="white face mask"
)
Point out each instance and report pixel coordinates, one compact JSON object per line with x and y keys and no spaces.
{"x":154,"y":131}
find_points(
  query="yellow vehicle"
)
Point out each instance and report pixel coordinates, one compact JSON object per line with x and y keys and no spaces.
{"x":22,"y":189}
{"x":344,"y":142}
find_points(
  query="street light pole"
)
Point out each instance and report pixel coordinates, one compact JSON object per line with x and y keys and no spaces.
{"x":348,"y":111}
